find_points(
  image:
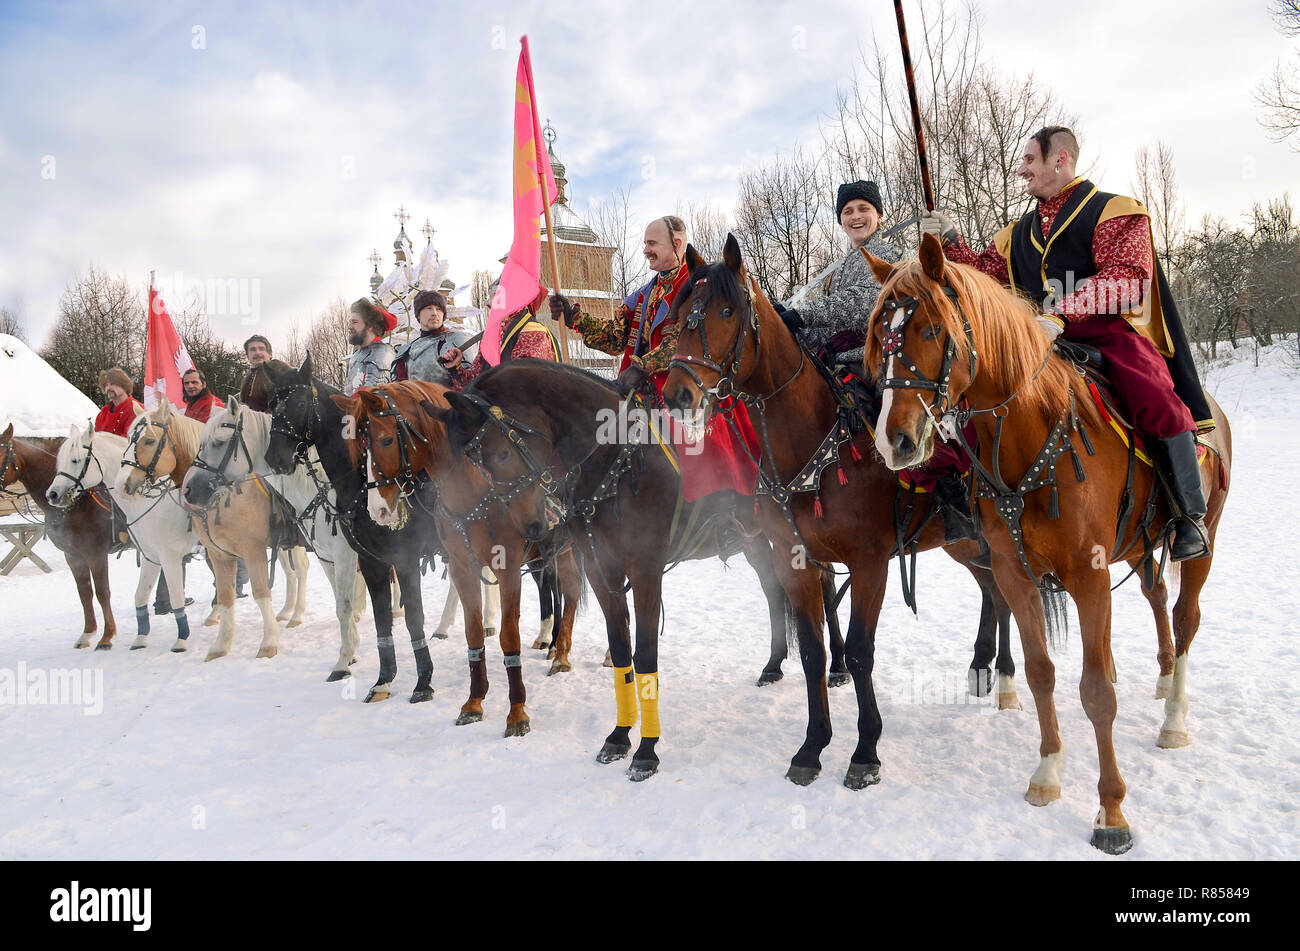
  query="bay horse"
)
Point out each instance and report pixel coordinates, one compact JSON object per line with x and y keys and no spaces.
{"x":977,"y":347}
{"x":547,"y":436}
{"x":85,"y":533}
{"x":732,"y":342}
{"x":231,"y":463}
{"x":158,"y":527}
{"x":163,"y":444}
{"x":303,"y":416}
{"x":401,"y":446}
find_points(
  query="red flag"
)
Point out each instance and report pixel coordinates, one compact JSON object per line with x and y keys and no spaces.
{"x":165,"y":357}
{"x":522,"y":276}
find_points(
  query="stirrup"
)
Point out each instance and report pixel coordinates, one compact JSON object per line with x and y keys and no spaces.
{"x":1189,"y":546}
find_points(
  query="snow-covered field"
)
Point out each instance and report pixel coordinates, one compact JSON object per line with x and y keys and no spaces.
{"x":262,"y":758}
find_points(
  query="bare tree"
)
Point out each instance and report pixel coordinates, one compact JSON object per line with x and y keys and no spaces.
{"x":611,"y":219}
{"x":1156,"y":185}
{"x":101,"y":324}
{"x":327,"y":342}
{"x":706,"y":229}
{"x":11,"y":324}
{"x":777,"y":212}
{"x":480,"y":289}
{"x":1279,"y":95}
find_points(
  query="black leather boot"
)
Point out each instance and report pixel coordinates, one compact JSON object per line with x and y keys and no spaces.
{"x":952,"y":495}
{"x":1175,"y":459}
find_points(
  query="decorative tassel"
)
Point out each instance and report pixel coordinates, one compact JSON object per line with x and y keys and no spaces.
{"x":853,"y":452}
{"x":839,"y":473}
{"x":1078,"y":466}
{"x":1054,"y":509}
{"x":817,"y":507}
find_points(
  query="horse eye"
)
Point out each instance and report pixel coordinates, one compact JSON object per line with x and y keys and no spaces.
{"x":930,"y":332}
{"x":386,"y":442}
{"x":502,"y":455}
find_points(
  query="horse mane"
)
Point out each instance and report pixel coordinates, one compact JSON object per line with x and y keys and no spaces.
{"x":1009,"y":344}
{"x":184,"y":432}
{"x":723,"y":283}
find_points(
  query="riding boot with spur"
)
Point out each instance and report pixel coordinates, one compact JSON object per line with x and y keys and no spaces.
{"x":1175,"y":460}
{"x":953,"y":497}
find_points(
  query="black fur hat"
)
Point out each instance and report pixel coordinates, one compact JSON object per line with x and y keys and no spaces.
{"x":867,"y":191}
{"x":425,"y":298}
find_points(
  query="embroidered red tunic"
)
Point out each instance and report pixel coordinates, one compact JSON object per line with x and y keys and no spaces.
{"x":117,"y":419}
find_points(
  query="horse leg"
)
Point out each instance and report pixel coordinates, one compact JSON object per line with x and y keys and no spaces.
{"x":449,"y":606}
{"x":469,"y":586}
{"x":1027,"y":606}
{"x":979,"y":676}
{"x":408,"y":575}
{"x":144,"y":588}
{"x":491,"y":603}
{"x":99,"y":572}
{"x":803,"y":585}
{"x":376,"y":574}
{"x":287,"y":572}
{"x":607,"y":585}
{"x":1158,"y":598}
{"x":546,"y":607}
{"x":259,"y":578}
{"x":341,"y":575}
{"x":85,"y":591}
{"x":1006,"y":663}
{"x":647,"y":597}
{"x":508,"y":590}
{"x":867,"y":593}
{"x":173,"y":570}
{"x":1187,"y":620}
{"x":994,"y":629}
{"x":362,"y":589}
{"x":570,"y":584}
{"x":395,"y":595}
{"x":759,"y":555}
{"x":1091,"y":592}
{"x":299,"y":558}
{"x":224,"y":568}
{"x":839,"y":674}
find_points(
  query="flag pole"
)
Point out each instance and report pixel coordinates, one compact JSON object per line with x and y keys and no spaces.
{"x":555,"y":263}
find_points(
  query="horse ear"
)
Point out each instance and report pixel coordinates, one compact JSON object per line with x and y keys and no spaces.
{"x":233,"y":404}
{"x":371,"y":400}
{"x":345,"y":403}
{"x":8,"y":434}
{"x":879,"y":267}
{"x":304,"y":371}
{"x":932,"y":260}
{"x":162,"y":410}
{"x":435,"y":412}
{"x":693,"y":259}
{"x":463,"y":419}
{"x":731,"y":252}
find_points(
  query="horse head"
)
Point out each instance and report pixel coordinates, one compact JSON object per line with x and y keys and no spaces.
{"x":295,"y":418}
{"x":8,"y":458}
{"x":151,"y":451}
{"x":223,"y":457}
{"x":77,"y":468}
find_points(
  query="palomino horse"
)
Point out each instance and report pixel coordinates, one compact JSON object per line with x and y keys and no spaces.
{"x":622,"y":500}
{"x":401,"y":446}
{"x":228,"y":467}
{"x":163,"y":444}
{"x":961,"y":335}
{"x":302,"y":416}
{"x":85,"y":533}
{"x":159,"y":528}
{"x":732,"y":342}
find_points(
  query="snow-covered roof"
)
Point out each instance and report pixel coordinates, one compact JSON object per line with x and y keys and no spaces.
{"x":38,"y":401}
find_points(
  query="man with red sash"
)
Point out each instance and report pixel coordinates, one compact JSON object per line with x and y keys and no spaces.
{"x":1087,"y":258}
{"x":647,"y":339}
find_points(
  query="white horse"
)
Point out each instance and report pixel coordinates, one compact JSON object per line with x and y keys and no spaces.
{"x":159,"y":527}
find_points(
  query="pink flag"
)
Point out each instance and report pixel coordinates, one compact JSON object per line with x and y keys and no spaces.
{"x":165,"y":357}
{"x":521,"y":278}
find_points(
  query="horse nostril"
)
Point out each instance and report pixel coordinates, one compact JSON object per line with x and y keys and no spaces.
{"x":903,"y":445}
{"x":535,"y":531}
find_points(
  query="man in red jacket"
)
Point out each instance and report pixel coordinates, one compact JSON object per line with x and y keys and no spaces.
{"x":122,"y":408}
{"x":200,"y":401}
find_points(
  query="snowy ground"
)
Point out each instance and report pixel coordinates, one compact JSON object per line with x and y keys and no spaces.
{"x":256,"y":758}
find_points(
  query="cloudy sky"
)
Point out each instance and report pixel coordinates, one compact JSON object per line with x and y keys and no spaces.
{"x":269,"y":144}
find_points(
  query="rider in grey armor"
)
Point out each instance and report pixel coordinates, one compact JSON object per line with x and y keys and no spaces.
{"x":421,"y":358}
{"x":369,"y":365}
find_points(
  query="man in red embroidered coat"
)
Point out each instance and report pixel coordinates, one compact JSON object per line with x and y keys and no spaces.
{"x":1087,"y":257}
{"x":647,"y":339}
{"x":122,"y":408}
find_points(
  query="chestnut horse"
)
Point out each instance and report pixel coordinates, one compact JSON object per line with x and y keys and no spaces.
{"x":732,"y":342}
{"x":84,"y":533}
{"x":977,"y":346}
{"x":402,"y":446}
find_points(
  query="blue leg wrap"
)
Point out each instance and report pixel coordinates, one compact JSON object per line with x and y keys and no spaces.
{"x":182,"y":624}
{"x":142,"y":620}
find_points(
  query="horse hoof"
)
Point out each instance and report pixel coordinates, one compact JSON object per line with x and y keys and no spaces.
{"x":641,"y":770}
{"x":103,"y":646}
{"x":213,"y":655}
{"x":611,"y":752}
{"x":297,"y":623}
{"x":1009,"y":701}
{"x":180,"y":647}
{"x":559,"y":669}
{"x":469,"y":716}
{"x":81,"y":645}
{"x":862,"y":775}
{"x":337,"y":675}
{"x":139,"y":643}
{"x":489,"y":632}
{"x":517,"y":729}
{"x":440,"y":635}
{"x":979,"y":681}
{"x":802,"y":775}
{"x":838,"y":679}
{"x":1112,"y":841}
{"x":769,"y":677}
{"x":541,"y":645}
{"x":1039,"y":795}
{"x":1164,"y":686}
{"x":377,"y":695}
{"x":1172,"y":739}
{"x":267,"y":652}
{"x":421,"y":694}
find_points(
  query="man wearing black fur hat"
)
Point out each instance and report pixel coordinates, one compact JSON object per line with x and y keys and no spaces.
{"x":370,"y":363}
{"x":421,"y":358}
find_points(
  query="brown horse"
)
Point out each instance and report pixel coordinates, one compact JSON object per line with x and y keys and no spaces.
{"x":164,"y":443}
{"x":978,"y":348}
{"x":402,"y":445}
{"x":84,"y":533}
{"x":733,"y":342}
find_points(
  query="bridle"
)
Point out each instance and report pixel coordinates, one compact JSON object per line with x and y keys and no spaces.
{"x":79,"y":487}
{"x":514,"y":432}
{"x":892,"y":347}
{"x":233,"y":445}
{"x":133,"y":449}
{"x":281,"y":426}
{"x":409,"y":480}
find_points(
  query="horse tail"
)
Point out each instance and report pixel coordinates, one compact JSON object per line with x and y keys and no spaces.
{"x":579,"y":560}
{"x":1173,"y":578}
{"x":1054,"y":612}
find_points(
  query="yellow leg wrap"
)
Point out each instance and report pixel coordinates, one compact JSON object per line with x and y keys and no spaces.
{"x":647,"y":689}
{"x":625,"y":696}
